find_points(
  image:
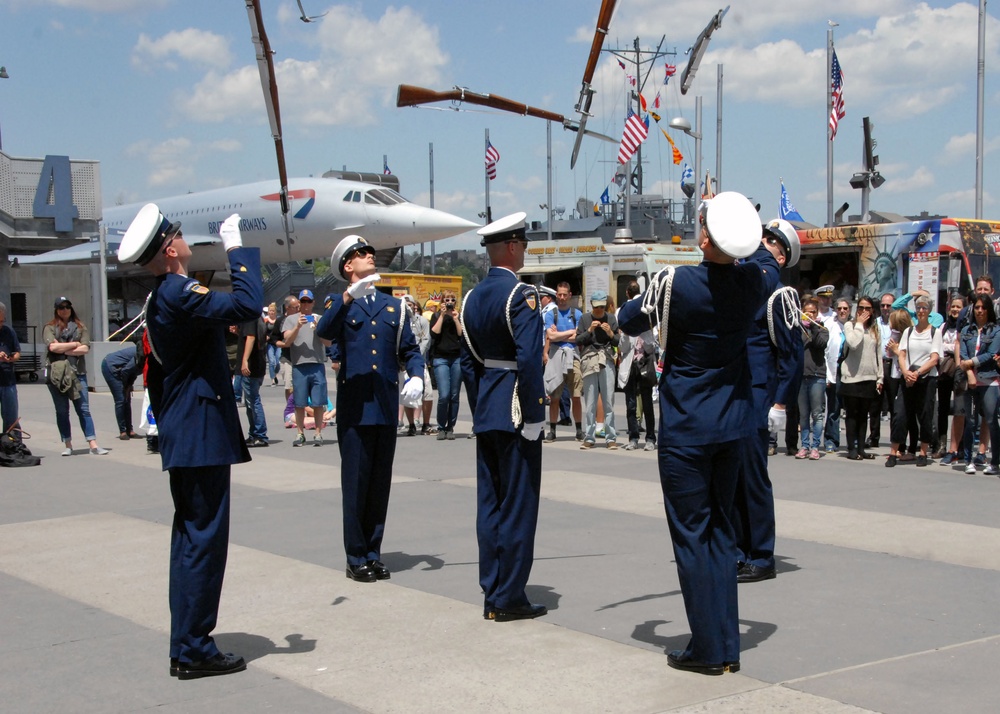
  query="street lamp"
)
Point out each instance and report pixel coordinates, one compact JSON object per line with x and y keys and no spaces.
{"x":684,"y":125}
{"x":3,"y":75}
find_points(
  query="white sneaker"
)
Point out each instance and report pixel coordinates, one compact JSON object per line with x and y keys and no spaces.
{"x":971,"y":468}
{"x":991,"y":470}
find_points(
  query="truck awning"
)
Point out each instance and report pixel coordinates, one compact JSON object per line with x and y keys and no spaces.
{"x":546,"y":268}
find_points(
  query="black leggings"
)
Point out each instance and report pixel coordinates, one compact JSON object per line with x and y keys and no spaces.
{"x":856,"y":421}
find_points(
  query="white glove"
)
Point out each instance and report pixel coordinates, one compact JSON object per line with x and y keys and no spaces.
{"x":413,"y":391}
{"x":230,"y":233}
{"x":364,"y":287}
{"x":533,"y":431}
{"x":776,"y":419}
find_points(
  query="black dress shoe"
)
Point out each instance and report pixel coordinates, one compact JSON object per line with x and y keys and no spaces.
{"x":678,"y":660}
{"x":751,"y":573}
{"x":211,"y":667}
{"x":361,"y":573}
{"x":524,"y":612}
{"x":378,"y":567}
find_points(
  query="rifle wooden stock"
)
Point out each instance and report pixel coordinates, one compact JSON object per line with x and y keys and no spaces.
{"x":410,"y":96}
{"x":603,"y":21}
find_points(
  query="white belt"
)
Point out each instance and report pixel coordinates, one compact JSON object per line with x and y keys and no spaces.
{"x":500,"y":364}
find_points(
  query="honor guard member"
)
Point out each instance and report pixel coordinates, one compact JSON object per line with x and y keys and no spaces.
{"x":705,"y":314}
{"x":502,"y":327}
{"x":200,"y":436}
{"x":775,"y":352}
{"x":374,"y":338}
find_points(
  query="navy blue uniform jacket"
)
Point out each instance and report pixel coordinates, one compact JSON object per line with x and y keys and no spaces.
{"x":190,"y":388}
{"x":368,"y":381}
{"x":776,"y":369}
{"x":485,"y":319}
{"x":705,"y":392}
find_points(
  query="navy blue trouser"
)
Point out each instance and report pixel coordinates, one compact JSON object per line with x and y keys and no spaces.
{"x":699,"y":484}
{"x":508,"y":482}
{"x":366,"y":456}
{"x":753,"y":515}
{"x":199,"y":545}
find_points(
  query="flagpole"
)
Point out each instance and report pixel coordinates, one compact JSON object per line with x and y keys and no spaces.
{"x":981,"y":79}
{"x":430,"y":158}
{"x":829,"y":132}
{"x":486,"y":178}
{"x":718,"y":131}
{"x":548,"y":179}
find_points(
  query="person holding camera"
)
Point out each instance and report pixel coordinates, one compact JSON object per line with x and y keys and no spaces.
{"x":307,"y":353}
{"x":446,"y":345}
{"x":597,"y":337}
{"x":637,"y":378}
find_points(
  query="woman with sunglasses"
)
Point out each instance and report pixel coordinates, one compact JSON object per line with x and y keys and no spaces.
{"x":446,"y":346}
{"x":978,"y":344}
{"x":68,"y":342}
{"x":860,"y":376}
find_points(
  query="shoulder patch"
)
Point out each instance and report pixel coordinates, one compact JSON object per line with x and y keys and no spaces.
{"x":329,"y":302}
{"x":195,"y":287}
{"x":530,"y":298}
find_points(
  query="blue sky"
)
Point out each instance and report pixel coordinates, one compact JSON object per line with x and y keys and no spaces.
{"x":165,"y":94}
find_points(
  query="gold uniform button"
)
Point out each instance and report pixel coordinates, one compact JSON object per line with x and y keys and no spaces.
{"x":374,"y":352}
{"x":374,"y":323}
{"x":373,"y":336}
{"x":375,"y":367}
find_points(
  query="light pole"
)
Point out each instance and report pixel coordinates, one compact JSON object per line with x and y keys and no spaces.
{"x":3,"y":75}
{"x":684,"y":125}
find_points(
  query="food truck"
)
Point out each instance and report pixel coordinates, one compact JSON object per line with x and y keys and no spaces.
{"x":590,"y":264}
{"x":939,"y":255}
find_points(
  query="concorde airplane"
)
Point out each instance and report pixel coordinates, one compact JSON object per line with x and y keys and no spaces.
{"x":323,"y":210}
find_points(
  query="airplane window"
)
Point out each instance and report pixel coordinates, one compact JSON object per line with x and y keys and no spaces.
{"x":357,"y":197}
{"x":397,"y":198}
{"x":383,"y":196}
{"x":349,"y":196}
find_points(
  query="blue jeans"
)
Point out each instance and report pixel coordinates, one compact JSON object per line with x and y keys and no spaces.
{"x":448,"y":373}
{"x":812,"y":407}
{"x":255,"y":408}
{"x":273,"y":355}
{"x":238,"y":387}
{"x":832,"y":431}
{"x":122,"y":394}
{"x":8,"y":405}
{"x":82,"y":406}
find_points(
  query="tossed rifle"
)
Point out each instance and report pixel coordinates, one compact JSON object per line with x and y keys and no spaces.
{"x":411,"y":96}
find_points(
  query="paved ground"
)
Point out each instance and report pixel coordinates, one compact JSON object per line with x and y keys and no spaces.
{"x":885,"y":599}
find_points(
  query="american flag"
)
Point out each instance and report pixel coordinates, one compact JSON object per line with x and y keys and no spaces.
{"x":837,"y":82}
{"x":492,"y":156}
{"x":385,"y":167}
{"x":635,"y":133}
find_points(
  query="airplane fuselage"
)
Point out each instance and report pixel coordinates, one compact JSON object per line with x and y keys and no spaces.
{"x":322,"y":212}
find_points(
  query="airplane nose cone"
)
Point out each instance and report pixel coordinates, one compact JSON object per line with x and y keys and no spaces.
{"x":437,"y":224}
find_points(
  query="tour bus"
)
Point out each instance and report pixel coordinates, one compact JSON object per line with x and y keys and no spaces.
{"x":589,"y":264}
{"x":939,"y":255}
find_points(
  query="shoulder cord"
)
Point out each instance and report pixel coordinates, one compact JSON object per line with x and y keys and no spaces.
{"x":790,"y":310}
{"x":659,"y":288}
{"x":465,"y":333}
{"x":149,"y":332}
{"x":515,"y":403}
{"x":399,"y":328}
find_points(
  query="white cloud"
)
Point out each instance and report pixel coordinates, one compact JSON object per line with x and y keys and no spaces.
{"x":198,"y":47}
{"x":360,"y":64}
{"x":108,"y":6}
{"x":899,"y":182}
{"x":175,"y":161}
{"x":960,"y":147}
